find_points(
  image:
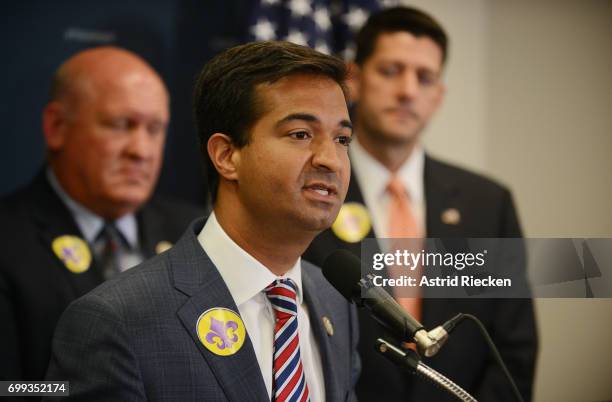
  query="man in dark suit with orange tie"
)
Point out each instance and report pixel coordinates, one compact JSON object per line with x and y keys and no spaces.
{"x":398,"y":190}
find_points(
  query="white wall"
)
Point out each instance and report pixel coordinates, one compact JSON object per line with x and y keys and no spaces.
{"x":550,"y":138}
{"x":550,"y":120}
{"x":530,"y":103}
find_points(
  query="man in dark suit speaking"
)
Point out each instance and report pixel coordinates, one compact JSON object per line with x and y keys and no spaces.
{"x":231,"y":312}
{"x":89,"y":213}
{"x":398,"y":190}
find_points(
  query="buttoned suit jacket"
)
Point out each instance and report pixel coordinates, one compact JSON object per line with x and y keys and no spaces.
{"x":134,"y":338}
{"x":486,"y":210}
{"x":36,"y":286}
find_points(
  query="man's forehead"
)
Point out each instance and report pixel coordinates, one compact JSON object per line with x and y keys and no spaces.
{"x":297,"y":88}
{"x":299,"y":100}
{"x":403,"y":46}
{"x":129,"y":87}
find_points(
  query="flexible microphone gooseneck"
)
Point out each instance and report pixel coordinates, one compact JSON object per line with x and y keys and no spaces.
{"x":343,"y":270}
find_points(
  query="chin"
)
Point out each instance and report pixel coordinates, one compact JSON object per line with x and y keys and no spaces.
{"x":131,"y":189}
{"x":319,"y":224}
{"x":131,"y":201}
{"x":399,"y":137}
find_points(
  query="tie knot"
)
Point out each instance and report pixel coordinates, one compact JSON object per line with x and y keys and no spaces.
{"x":282,"y":294}
{"x":396,"y":188}
{"x":112,"y":236}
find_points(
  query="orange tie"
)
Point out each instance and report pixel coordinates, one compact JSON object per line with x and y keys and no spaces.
{"x":403,"y":225}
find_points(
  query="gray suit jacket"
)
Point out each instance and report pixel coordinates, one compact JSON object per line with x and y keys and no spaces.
{"x":134,"y":337}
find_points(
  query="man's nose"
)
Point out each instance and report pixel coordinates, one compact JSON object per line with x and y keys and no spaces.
{"x":408,"y":86}
{"x":326,"y":155}
{"x":141,"y":143}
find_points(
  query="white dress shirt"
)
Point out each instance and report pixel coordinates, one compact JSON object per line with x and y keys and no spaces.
{"x":246,"y":278}
{"x":90,"y":225}
{"x":373,"y":178}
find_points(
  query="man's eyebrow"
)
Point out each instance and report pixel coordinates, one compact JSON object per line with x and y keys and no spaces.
{"x":311,"y":119}
{"x":346,"y":124}
{"x":298,"y":116}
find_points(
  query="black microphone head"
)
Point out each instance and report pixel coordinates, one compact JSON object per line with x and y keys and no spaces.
{"x":343,"y":270}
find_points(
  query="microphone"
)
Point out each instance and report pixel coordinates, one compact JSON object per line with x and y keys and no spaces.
{"x":343,"y":270}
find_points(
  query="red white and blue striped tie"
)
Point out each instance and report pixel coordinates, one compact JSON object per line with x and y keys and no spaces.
{"x":288,"y":379}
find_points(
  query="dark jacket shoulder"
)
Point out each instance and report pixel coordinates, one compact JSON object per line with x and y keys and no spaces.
{"x":457,"y":176}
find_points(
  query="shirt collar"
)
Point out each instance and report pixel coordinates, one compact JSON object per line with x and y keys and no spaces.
{"x":373,"y":176}
{"x":244,"y":276}
{"x":88,"y":222}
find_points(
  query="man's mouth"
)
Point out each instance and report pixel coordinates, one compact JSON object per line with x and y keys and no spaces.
{"x":323,"y":189}
{"x":134,"y":173}
{"x":403,"y":112}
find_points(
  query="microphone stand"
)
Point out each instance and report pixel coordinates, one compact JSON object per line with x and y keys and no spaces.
{"x":409,"y":360}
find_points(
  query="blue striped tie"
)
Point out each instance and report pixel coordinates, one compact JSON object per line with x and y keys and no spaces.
{"x":288,"y":379}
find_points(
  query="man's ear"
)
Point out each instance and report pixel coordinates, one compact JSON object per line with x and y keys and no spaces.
{"x":224,"y":155}
{"x":353,"y":78}
{"x":54,"y":121}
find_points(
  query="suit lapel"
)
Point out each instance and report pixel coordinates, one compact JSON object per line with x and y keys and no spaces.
{"x":316,"y":311}
{"x":354,"y":194}
{"x":196,"y":276}
{"x":442,"y":198}
{"x":53,"y":219}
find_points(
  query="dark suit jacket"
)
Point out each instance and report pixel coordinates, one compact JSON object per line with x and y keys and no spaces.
{"x":36,"y":287}
{"x":486,"y":210}
{"x":134,"y":338}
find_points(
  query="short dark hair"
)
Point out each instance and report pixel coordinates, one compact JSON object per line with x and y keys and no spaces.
{"x":396,"y":19}
{"x":225,"y":98}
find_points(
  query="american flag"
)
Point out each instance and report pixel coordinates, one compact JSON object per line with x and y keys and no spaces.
{"x":325,"y":25}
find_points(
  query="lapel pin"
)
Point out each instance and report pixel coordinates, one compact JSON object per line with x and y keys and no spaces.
{"x":73,"y":251}
{"x":352,"y":223}
{"x":451,"y":216}
{"x":221,"y":331}
{"x":329,"y":328}
{"x":162,"y":246}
